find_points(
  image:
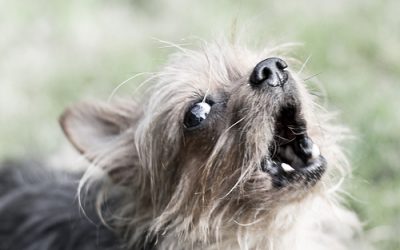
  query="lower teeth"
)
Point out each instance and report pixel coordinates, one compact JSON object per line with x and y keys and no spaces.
{"x":287,"y":167}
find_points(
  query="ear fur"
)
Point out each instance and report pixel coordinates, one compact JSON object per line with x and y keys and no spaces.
{"x":91,"y":125}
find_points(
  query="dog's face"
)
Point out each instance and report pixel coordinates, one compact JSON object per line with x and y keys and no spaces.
{"x":225,"y":133}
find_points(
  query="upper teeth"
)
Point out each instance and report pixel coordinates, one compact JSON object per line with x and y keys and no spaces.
{"x":287,"y":167}
{"x":315,"y":151}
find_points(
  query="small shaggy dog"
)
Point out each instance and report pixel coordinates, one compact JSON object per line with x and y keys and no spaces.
{"x":226,"y":150}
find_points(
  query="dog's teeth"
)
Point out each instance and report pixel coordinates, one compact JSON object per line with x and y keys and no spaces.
{"x":315,"y":151}
{"x":287,"y":167}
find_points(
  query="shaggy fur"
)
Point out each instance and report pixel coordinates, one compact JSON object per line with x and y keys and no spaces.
{"x":170,"y":185}
{"x":39,"y":211}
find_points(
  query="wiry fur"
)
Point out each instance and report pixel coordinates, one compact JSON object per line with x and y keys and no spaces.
{"x":204,"y":189}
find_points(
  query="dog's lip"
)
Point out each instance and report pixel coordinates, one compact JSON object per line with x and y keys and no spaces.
{"x":282,"y":175}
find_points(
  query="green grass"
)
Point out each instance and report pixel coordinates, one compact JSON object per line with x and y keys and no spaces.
{"x":54,"y":53}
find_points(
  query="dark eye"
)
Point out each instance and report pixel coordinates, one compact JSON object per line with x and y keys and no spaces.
{"x":196,"y":114}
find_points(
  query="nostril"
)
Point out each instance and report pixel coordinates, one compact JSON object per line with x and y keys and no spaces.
{"x":266,"y":73}
{"x":270,"y":71}
{"x":281,"y":64}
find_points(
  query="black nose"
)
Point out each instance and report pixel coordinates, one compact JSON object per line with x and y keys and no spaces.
{"x":270,"y":71}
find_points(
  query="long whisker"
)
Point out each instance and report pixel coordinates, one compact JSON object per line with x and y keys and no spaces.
{"x":312,"y":76}
{"x":171,"y":44}
{"x":304,"y":65}
{"x":123,"y":83}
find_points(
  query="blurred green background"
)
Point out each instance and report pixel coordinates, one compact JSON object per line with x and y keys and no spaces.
{"x":54,"y":53}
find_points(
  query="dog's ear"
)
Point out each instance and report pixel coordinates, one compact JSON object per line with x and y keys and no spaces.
{"x":92,"y":127}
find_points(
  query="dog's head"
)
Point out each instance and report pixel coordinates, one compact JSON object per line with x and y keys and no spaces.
{"x":225,"y":134}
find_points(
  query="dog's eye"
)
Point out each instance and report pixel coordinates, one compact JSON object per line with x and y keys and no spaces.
{"x":196,"y":114}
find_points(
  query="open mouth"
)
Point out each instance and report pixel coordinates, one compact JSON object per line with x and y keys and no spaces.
{"x":293,"y":157}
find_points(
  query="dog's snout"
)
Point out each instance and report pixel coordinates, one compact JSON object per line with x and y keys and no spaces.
{"x":271,"y":72}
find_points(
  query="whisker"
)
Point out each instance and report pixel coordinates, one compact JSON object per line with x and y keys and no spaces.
{"x":304,"y":65}
{"x":312,"y":76}
{"x":123,"y":83}
{"x":171,"y":44}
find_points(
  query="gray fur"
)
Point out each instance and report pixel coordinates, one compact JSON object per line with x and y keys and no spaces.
{"x":39,"y":211}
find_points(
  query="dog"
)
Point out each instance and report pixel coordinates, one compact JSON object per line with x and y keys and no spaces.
{"x":226,"y":149}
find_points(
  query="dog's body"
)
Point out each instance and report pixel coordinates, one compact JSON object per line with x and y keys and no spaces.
{"x":39,"y":210}
{"x":221,"y":154}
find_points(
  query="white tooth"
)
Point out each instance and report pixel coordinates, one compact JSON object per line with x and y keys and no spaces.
{"x":315,"y":151}
{"x":287,"y":167}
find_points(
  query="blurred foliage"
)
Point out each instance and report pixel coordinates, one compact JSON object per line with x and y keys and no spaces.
{"x":53,"y":53}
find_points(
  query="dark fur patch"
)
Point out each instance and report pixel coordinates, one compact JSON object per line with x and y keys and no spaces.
{"x":39,"y":210}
